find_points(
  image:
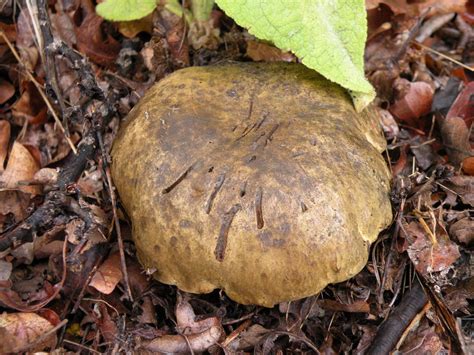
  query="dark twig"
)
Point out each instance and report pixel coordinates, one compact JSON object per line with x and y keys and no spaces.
{"x":72,"y":171}
{"x":57,"y":199}
{"x":52,"y":47}
{"x":392,"y":329}
{"x":89,"y":86}
{"x":49,"y":57}
{"x":41,"y":218}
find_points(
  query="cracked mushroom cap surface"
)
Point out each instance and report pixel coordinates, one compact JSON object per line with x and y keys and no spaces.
{"x":259,"y":179}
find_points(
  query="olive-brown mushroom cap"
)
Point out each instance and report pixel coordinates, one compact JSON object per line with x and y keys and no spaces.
{"x":259,"y":179}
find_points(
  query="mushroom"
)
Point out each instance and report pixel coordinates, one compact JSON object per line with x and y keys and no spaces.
{"x":259,"y":179}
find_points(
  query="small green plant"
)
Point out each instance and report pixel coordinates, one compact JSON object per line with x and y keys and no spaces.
{"x":326,"y":35}
{"x":125,"y":10}
{"x":129,"y":10}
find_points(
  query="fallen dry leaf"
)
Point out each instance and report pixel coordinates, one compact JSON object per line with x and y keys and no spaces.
{"x":415,"y":8}
{"x":248,"y":338}
{"x":30,"y":106}
{"x":423,"y":152}
{"x":4,"y":141}
{"x":67,"y":82}
{"x":25,"y":40}
{"x":457,"y":296}
{"x":14,"y":202}
{"x":108,"y":275}
{"x":140,"y":284}
{"x":463,"y":106}
{"x":397,"y":6}
{"x":180,"y":344}
{"x":426,"y":256}
{"x":99,"y":324}
{"x":389,"y":125}
{"x":378,"y":19}
{"x":438,"y":7}
{"x":77,"y":230}
{"x":9,"y":30}
{"x":468,"y":16}
{"x":401,"y":163}
{"x":79,"y":269}
{"x":423,"y":341}
{"x":368,"y":334}
{"x":457,"y":300}
{"x":468,"y":166}
{"x":5,"y":270}
{"x":455,"y":136}
{"x":262,"y":52}
{"x":185,"y":318}
{"x":46,"y":176}
{"x":90,"y":183}
{"x":20,"y":331}
{"x":24,"y":254}
{"x":7,"y":90}
{"x":63,"y":28}
{"x":446,"y":95}
{"x":74,"y":231}
{"x":463,"y":231}
{"x":21,"y":166}
{"x":382,"y":49}
{"x":195,"y":336}
{"x":413,"y":100}
{"x":44,"y":251}
{"x":99,"y":46}
{"x":49,"y":142}
{"x":464,"y":187}
{"x":106,"y":324}
{"x":335,"y":306}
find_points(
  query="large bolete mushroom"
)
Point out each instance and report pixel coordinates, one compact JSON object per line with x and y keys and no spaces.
{"x":259,"y":179}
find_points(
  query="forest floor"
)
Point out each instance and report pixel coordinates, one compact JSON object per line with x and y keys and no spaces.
{"x":62,"y":260}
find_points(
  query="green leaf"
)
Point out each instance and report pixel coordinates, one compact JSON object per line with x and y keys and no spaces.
{"x":327,"y":35}
{"x":175,"y":7}
{"x":125,"y":10}
{"x":202,"y":9}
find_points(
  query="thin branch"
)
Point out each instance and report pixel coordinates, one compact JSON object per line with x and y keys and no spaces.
{"x":391,"y":331}
{"x":49,"y":56}
{"x":42,"y":217}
